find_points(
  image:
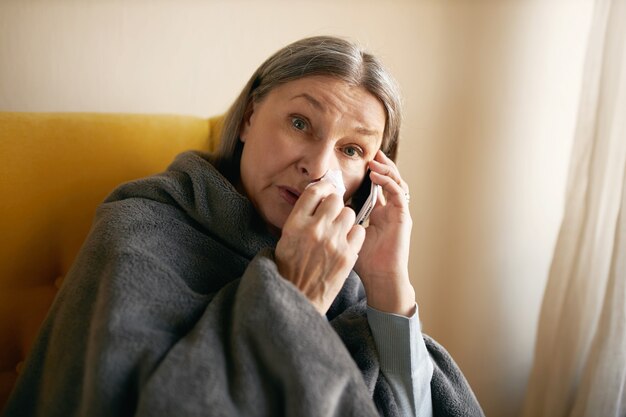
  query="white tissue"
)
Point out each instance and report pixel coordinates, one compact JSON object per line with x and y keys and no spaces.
{"x":334,"y":177}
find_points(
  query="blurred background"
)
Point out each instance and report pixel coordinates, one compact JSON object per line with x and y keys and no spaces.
{"x":491,"y":93}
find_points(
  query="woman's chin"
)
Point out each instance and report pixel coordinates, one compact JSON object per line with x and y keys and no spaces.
{"x":275,"y":223}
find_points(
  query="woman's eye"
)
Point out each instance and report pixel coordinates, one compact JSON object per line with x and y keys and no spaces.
{"x":352,"y":151}
{"x":298,"y":123}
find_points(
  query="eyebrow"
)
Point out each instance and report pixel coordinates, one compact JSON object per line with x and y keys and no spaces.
{"x":315,"y":103}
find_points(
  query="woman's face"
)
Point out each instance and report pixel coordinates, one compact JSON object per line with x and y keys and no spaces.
{"x":298,"y":132}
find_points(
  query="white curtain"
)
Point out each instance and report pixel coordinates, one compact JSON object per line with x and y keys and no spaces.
{"x":580,"y":353}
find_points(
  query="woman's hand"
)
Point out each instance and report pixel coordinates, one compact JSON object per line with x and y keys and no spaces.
{"x":384,"y":257}
{"x":319,"y":245}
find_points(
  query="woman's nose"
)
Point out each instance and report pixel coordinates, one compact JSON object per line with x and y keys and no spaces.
{"x":316,"y":162}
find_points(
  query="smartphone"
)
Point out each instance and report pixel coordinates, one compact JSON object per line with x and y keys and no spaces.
{"x":369,"y":204}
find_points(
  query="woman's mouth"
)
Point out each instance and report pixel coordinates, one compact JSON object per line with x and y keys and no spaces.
{"x":290,"y":195}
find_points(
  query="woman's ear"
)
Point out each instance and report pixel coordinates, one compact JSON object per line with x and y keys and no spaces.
{"x":245,"y":124}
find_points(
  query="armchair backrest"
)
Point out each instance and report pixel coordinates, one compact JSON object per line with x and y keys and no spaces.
{"x":55,"y":169}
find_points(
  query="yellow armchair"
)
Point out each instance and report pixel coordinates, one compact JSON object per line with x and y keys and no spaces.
{"x":55,"y":168}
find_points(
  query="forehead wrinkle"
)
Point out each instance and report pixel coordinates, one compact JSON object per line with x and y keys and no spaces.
{"x":366,"y":132}
{"x":314,"y":102}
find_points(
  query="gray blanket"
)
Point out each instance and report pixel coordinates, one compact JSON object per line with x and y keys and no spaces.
{"x":174,"y":307}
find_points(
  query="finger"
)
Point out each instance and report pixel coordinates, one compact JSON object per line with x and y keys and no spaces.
{"x":385,"y":166}
{"x":390,"y":172}
{"x":345,"y":219}
{"x":382,"y":157}
{"x":329,"y":208}
{"x":356,"y":237}
{"x":394,"y":193}
{"x":312,"y":196}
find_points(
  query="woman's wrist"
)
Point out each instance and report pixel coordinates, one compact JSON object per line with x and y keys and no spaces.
{"x":384,"y":296}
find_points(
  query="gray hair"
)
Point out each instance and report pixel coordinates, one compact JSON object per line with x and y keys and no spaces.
{"x":320,"y":55}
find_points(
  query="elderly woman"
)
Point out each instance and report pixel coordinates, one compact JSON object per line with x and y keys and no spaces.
{"x":239,"y":284}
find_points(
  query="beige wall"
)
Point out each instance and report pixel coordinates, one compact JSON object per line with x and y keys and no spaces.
{"x":490,"y":91}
